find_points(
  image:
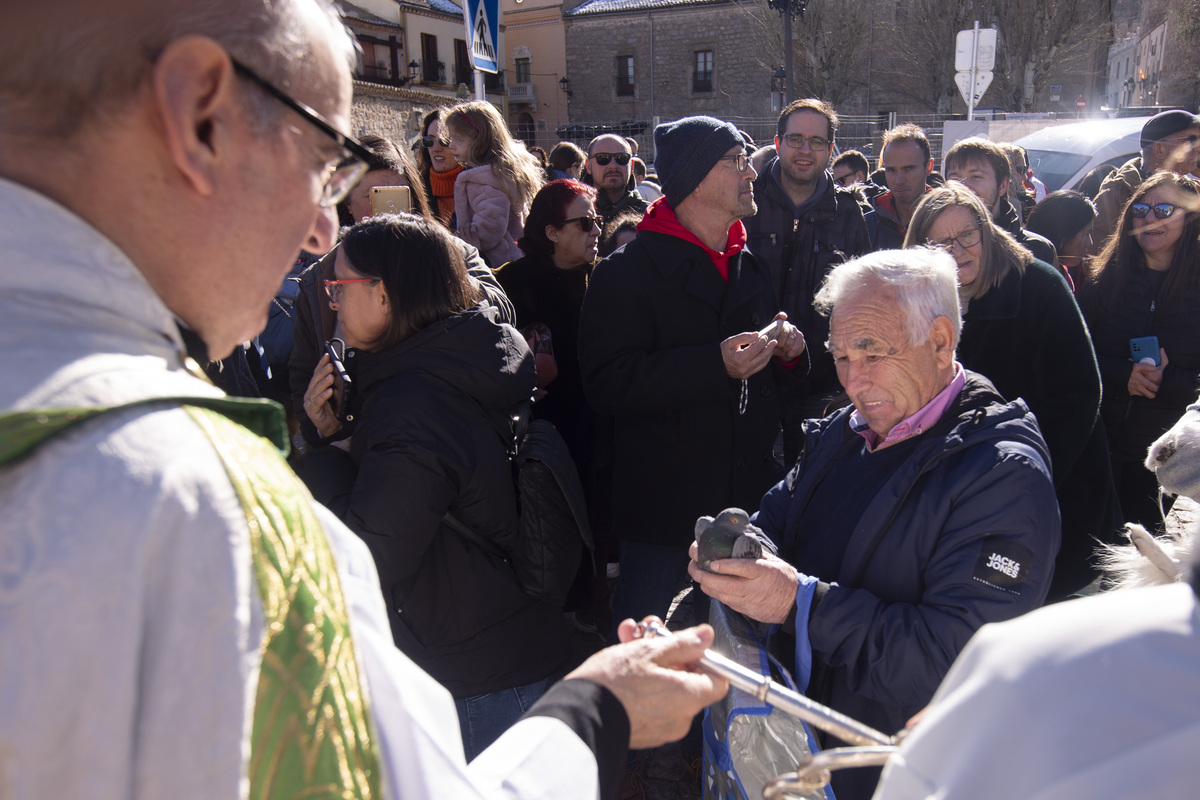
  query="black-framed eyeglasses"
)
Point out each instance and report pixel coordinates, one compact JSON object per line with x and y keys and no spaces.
{"x":965,"y":239}
{"x":334,"y":288}
{"x":355,"y":157}
{"x":741,"y":161}
{"x":603,"y":159}
{"x":430,"y":141}
{"x":586,"y":223}
{"x":846,"y":180}
{"x":795,"y":141}
{"x":1162,"y":210}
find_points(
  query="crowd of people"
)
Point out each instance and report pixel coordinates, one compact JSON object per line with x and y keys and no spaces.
{"x":919,"y":381}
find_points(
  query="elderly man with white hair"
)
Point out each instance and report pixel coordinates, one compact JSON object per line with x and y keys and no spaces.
{"x":911,"y":519}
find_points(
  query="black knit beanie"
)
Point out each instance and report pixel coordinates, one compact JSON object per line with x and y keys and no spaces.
{"x":686,"y":150}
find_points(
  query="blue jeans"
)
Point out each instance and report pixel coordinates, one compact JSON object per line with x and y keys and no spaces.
{"x":484,"y":717}
{"x":650,"y":575}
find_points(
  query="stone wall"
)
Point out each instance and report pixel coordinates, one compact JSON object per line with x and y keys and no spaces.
{"x":393,"y":113}
{"x":663,"y":43}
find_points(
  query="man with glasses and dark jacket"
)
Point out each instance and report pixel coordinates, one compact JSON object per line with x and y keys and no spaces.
{"x":609,"y":170}
{"x":805,"y":225}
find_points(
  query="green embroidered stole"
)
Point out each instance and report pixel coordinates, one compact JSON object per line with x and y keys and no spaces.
{"x":312,"y":735}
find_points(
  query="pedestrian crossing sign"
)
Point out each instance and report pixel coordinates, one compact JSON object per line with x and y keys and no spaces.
{"x":483,"y":30}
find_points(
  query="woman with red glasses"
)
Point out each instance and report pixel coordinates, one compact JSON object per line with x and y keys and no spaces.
{"x":439,"y":376}
{"x":1146,"y":283}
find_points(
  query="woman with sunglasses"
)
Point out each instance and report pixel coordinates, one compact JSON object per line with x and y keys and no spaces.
{"x":1146,"y":282}
{"x":1023,"y":331}
{"x":439,"y":375}
{"x":546,"y":288}
{"x":439,"y":169}
{"x":493,"y":193}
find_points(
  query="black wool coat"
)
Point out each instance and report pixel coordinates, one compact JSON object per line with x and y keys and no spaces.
{"x":1028,"y":337}
{"x":653,"y":320}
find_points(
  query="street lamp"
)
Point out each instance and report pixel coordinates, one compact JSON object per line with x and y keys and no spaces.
{"x":565,"y":85}
{"x":778,"y":86}
{"x":788,"y":9}
{"x":414,"y":70}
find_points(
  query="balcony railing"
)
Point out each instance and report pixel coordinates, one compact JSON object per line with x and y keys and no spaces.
{"x":519,"y":93}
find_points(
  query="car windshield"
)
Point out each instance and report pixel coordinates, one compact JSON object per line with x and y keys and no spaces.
{"x":1055,"y":169}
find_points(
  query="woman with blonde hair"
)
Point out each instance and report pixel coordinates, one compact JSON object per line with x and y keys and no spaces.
{"x":492,"y":195}
{"x":1023,"y":331}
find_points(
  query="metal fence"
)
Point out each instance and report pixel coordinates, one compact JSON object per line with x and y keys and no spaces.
{"x":855,"y":132}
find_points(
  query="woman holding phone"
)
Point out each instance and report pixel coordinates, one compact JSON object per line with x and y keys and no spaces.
{"x":1146,"y":283}
{"x":439,"y":375}
{"x":1023,"y":331}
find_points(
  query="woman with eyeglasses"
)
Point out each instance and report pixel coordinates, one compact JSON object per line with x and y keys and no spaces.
{"x":439,"y":375}
{"x":314,"y":323}
{"x":1146,"y":283}
{"x":1023,"y":331}
{"x":546,"y":288}
{"x":439,"y":169}
{"x":493,"y":193}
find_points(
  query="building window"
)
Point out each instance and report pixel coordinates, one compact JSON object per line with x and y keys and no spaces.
{"x":625,"y":76}
{"x":702,"y":77}
{"x":522,"y":70}
{"x":432,"y":70}
{"x":464,"y":66}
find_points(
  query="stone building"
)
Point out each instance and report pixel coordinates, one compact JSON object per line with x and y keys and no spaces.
{"x":633,"y":63}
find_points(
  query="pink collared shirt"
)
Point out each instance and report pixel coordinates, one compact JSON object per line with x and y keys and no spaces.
{"x":919,"y":422}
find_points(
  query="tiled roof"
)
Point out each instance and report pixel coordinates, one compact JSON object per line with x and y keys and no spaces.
{"x":354,"y":12}
{"x":617,"y":6}
{"x":446,"y":7}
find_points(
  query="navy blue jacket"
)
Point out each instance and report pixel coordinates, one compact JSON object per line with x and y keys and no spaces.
{"x":919,"y":577}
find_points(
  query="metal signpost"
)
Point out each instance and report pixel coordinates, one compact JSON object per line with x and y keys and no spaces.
{"x":482,"y":18}
{"x":974,"y":58}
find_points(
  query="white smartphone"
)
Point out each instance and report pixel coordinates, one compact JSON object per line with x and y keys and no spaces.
{"x":773,"y":330}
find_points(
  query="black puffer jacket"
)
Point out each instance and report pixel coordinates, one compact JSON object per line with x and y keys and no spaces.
{"x":1133,"y":423}
{"x":315,"y":322}
{"x":799,"y":252}
{"x":1008,"y":219}
{"x":428,"y":442}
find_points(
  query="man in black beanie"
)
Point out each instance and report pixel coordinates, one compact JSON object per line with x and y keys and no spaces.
{"x":1169,"y":142}
{"x":669,"y":346}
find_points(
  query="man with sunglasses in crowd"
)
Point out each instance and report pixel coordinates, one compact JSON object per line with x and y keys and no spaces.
{"x":1170,"y":141}
{"x":179,"y":618}
{"x":609,"y":170}
{"x":805,"y":225}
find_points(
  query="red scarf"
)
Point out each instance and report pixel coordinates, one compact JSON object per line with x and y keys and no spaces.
{"x":660,"y":218}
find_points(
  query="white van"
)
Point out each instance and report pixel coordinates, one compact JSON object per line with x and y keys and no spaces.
{"x":1062,"y":155}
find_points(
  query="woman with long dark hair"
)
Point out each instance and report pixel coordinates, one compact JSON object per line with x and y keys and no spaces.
{"x":1065,"y":218}
{"x":438,"y":167}
{"x":439,"y":377}
{"x":1023,"y":331}
{"x":1146,"y":282}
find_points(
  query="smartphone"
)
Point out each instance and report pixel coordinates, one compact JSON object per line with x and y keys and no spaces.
{"x":390,"y":200}
{"x":1143,"y":348}
{"x":772,"y":331}
{"x":341,"y":384}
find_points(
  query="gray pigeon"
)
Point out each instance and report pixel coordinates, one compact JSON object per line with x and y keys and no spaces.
{"x":730,"y":535}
